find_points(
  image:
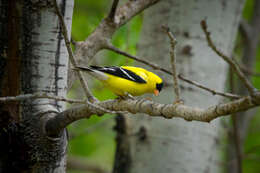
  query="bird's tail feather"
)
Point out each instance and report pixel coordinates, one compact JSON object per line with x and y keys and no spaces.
{"x":87,"y":69}
{"x":93,"y":72}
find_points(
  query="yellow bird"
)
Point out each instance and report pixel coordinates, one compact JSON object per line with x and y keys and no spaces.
{"x":126,"y":80}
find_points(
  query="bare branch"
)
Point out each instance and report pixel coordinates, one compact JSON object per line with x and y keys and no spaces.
{"x":113,"y":10}
{"x":214,"y":92}
{"x":173,"y":63}
{"x":131,"y":9}
{"x":95,"y":106}
{"x":71,"y":56}
{"x":249,"y":72}
{"x":240,"y":74}
{"x":58,"y":123}
{"x":38,"y":96}
{"x":73,"y":41}
{"x":63,"y":119}
{"x":154,"y":66}
{"x":41,"y":95}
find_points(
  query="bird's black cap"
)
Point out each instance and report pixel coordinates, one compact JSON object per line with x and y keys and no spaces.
{"x":159,"y":86}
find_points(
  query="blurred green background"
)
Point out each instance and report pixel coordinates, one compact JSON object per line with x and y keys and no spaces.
{"x":93,"y":140}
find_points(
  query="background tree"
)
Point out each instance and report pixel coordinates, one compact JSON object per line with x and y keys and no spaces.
{"x":187,"y":146}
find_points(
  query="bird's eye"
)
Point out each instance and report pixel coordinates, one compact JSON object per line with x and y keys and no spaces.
{"x":159,"y":86}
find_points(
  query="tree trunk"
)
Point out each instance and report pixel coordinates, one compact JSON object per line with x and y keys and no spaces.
{"x":157,"y":145}
{"x":33,"y":59}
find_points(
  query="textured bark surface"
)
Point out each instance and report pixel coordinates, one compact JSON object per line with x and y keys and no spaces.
{"x":176,"y":145}
{"x":33,"y":58}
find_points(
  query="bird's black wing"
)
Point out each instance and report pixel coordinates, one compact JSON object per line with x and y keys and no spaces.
{"x":120,"y":72}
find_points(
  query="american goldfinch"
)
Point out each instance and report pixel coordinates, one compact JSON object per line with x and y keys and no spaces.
{"x":126,"y":80}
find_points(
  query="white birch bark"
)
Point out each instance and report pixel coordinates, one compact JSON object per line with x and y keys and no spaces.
{"x":177,"y":145}
{"x":44,"y":64}
{"x":47,"y":64}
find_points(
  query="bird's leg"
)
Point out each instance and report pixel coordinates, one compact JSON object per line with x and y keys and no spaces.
{"x":180,"y":101}
{"x":124,"y":97}
{"x":130,"y":96}
{"x":149,"y":98}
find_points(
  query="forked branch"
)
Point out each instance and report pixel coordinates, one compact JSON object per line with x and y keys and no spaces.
{"x":232,"y":63}
{"x":173,"y":63}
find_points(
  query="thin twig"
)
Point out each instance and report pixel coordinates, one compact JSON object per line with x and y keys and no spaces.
{"x":214,"y":92}
{"x":173,"y":63}
{"x":113,"y":10}
{"x":248,"y":71}
{"x":37,"y":96}
{"x":154,"y":66}
{"x":240,"y":74}
{"x":90,"y":97}
{"x":72,"y":41}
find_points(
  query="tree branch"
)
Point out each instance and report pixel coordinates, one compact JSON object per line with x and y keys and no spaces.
{"x":248,"y":71}
{"x":173,"y":63}
{"x":214,"y":92}
{"x":89,"y":96}
{"x":38,"y":96}
{"x":131,"y":9}
{"x":113,"y":10}
{"x":232,"y":64}
{"x":154,"y":66}
{"x":151,"y":108}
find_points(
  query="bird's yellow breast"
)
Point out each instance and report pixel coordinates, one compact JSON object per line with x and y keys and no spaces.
{"x":122,"y":87}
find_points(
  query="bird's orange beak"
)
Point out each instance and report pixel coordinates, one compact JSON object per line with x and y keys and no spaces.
{"x":156,"y":92}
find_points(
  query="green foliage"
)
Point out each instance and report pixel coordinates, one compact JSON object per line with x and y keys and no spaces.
{"x":248,"y":9}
